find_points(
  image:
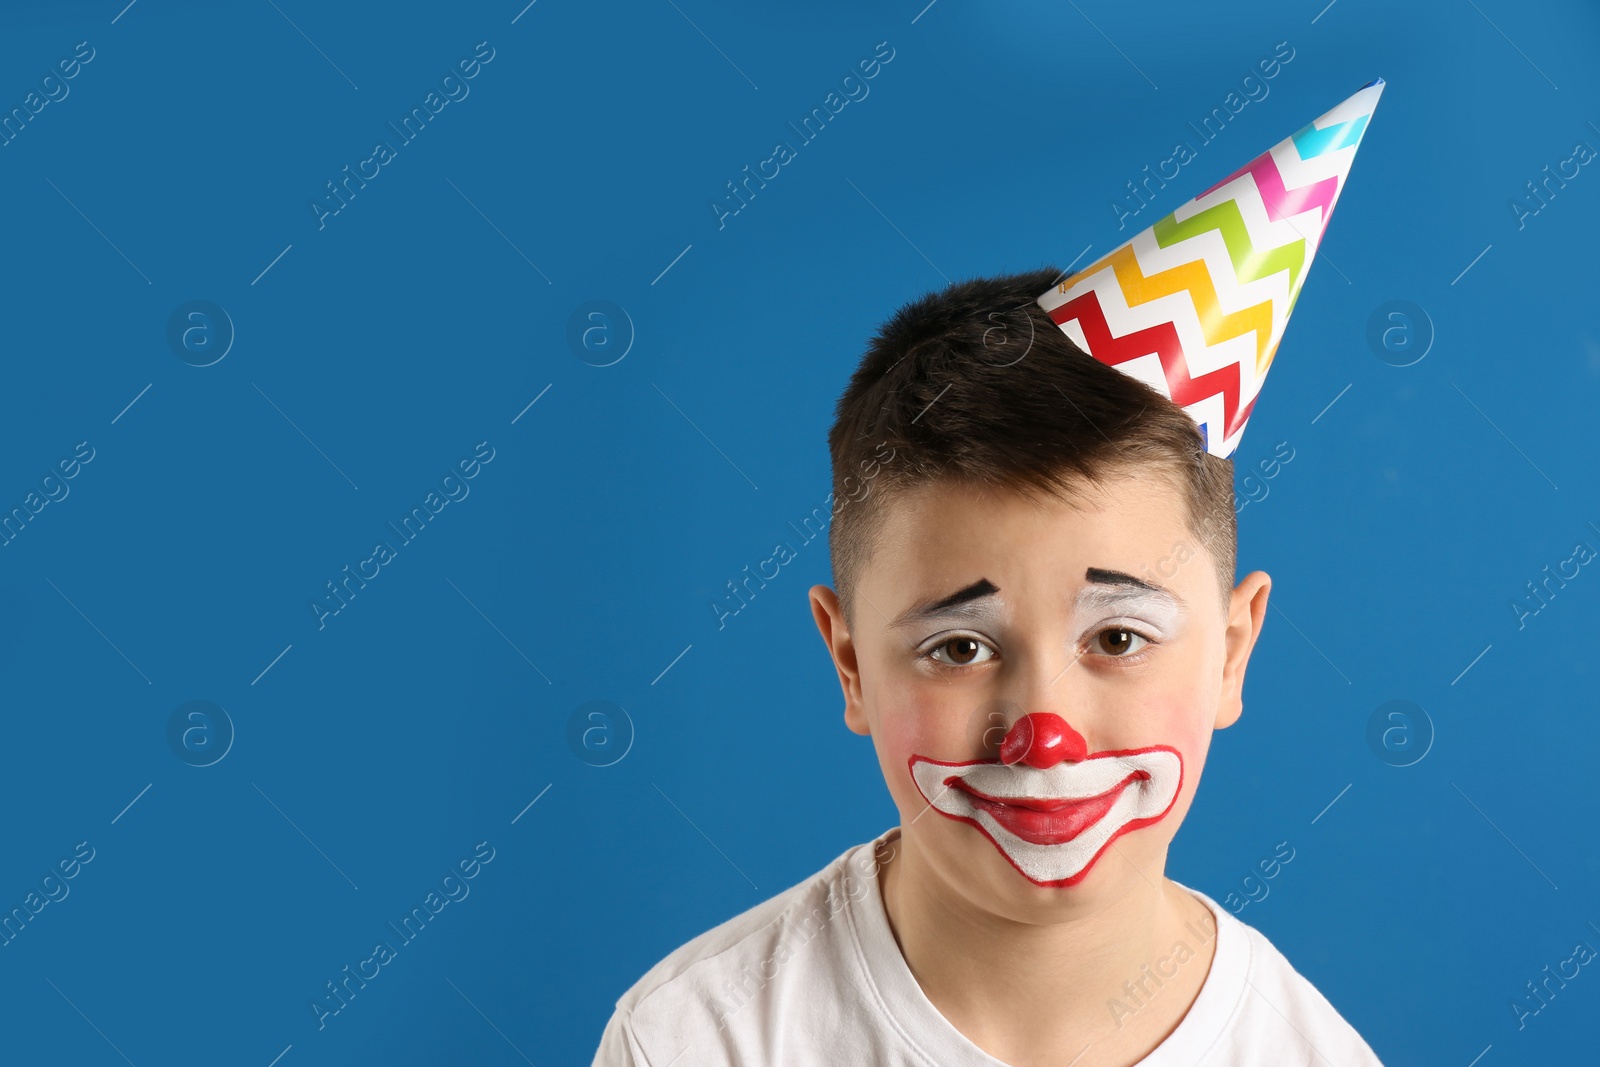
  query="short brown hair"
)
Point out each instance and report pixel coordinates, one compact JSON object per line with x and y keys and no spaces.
{"x":976,"y":384}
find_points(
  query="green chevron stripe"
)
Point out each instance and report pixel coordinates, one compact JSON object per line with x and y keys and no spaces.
{"x":1249,"y":263}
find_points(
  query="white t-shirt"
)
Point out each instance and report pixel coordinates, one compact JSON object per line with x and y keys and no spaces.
{"x":814,"y":976}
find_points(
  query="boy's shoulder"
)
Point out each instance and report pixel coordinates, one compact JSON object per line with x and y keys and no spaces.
{"x":716,"y":991}
{"x":1274,"y":1007}
{"x":731,"y":944}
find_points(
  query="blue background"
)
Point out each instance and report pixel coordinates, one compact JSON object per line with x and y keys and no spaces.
{"x":373,"y":353}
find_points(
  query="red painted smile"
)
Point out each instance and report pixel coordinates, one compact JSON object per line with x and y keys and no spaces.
{"x":1049,"y":820}
{"x":1053,"y":822}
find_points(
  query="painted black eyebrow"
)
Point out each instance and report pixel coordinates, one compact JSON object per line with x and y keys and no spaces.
{"x":1102,"y":576}
{"x":981,"y":588}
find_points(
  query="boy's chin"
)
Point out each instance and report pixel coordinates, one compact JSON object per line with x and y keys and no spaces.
{"x":984,"y":872}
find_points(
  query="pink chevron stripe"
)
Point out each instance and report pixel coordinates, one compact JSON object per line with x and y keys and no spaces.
{"x":1281,"y":202}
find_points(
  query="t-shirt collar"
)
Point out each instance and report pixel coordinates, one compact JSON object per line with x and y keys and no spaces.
{"x":904,"y":1008}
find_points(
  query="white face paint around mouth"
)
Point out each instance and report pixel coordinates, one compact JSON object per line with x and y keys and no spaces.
{"x":1052,"y":824}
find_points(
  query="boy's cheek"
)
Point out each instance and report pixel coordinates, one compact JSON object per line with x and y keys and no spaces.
{"x":906,"y":735}
{"x":1177,"y":724}
{"x":1183,"y":728}
{"x":1192,"y":744}
{"x":931,"y":730}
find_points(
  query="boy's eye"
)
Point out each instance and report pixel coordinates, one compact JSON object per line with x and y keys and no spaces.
{"x":1118,"y":642}
{"x":961,"y":651}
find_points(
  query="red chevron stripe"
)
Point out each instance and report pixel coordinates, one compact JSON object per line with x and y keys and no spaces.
{"x":1163,"y":341}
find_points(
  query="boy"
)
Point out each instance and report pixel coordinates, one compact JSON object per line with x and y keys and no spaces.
{"x":1036,"y":623}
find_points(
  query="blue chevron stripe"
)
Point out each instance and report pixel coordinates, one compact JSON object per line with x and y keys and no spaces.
{"x":1311,"y":142}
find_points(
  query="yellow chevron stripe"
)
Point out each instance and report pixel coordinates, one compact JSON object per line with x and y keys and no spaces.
{"x":1194,"y":279}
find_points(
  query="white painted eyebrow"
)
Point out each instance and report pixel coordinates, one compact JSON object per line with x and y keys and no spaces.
{"x":1159,"y":608}
{"x":974,"y":600}
{"x":1096,"y":596}
{"x":979,"y":611}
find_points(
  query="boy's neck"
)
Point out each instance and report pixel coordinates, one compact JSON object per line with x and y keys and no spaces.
{"x":1080,"y":992}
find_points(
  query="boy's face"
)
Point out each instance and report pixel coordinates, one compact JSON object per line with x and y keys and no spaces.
{"x":1042,"y":733}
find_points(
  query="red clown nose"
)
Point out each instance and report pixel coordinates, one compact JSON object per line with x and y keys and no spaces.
{"x":1042,"y":739}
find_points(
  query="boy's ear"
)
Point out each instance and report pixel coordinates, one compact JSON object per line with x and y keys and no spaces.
{"x":836,"y":635}
{"x":1247,"y":610}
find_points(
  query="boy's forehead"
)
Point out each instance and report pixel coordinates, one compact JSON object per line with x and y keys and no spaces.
{"x":1122,"y":503}
{"x":944,"y":535}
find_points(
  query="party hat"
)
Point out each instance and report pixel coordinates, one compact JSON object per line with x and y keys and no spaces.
{"x":1195,"y":305}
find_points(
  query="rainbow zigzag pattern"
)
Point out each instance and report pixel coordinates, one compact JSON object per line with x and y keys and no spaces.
{"x":1195,"y":305}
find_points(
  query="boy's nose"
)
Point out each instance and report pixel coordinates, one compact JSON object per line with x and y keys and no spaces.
{"x":1042,"y":739}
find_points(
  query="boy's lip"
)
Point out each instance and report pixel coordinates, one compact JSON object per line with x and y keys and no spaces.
{"x":1041,"y":803}
{"x":1052,"y":824}
{"x":1047,"y":820}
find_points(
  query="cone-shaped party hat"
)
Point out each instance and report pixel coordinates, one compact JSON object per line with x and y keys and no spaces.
{"x":1195,"y":305}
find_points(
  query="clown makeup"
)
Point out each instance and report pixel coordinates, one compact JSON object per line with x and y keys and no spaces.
{"x":1053,"y":823}
{"x":1047,"y":804}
